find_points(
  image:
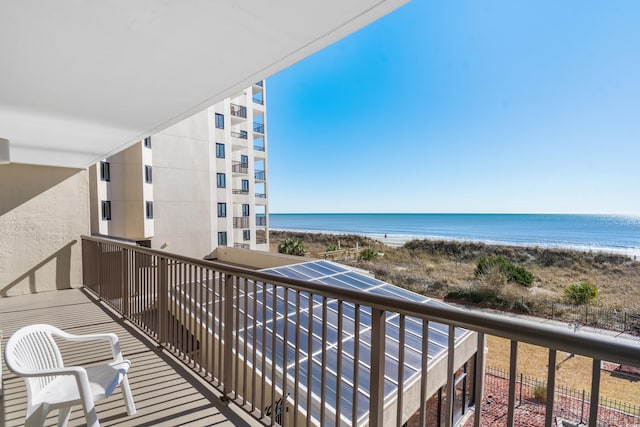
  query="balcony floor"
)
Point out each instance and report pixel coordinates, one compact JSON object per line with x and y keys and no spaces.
{"x":165,"y":391}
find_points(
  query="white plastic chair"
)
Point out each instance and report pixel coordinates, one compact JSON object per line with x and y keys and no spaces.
{"x":32,"y":353}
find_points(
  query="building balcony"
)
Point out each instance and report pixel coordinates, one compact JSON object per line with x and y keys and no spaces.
{"x":241,"y":191}
{"x":257,"y":100}
{"x":259,"y":175}
{"x":243,"y":134}
{"x":260,"y":148}
{"x":239,"y":167}
{"x":165,"y":390}
{"x":261,"y":196}
{"x":240,"y":222}
{"x":258,"y":128}
{"x":242,"y":245}
{"x":239,"y":111}
{"x":261,"y":241}
{"x":261,"y":221}
{"x":219,"y":332}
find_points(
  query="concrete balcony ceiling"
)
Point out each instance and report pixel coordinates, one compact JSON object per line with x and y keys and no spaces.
{"x":83,"y":80}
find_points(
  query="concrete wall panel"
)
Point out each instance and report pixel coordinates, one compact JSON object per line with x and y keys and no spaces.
{"x":43,"y":212}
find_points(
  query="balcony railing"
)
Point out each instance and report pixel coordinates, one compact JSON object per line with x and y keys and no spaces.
{"x":240,"y":167}
{"x":259,"y":175}
{"x":261,"y":241}
{"x":258,"y":147}
{"x":240,"y":191}
{"x":219,"y":320}
{"x":242,"y":245}
{"x":243,"y":134}
{"x":239,"y":111}
{"x":261,"y":220}
{"x":240,"y":222}
{"x":258,"y":127}
{"x":261,"y":195}
{"x":258,"y":100}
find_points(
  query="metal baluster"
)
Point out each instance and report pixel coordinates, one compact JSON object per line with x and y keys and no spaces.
{"x":513,"y":364}
{"x":376,"y":404}
{"x":551,"y":384}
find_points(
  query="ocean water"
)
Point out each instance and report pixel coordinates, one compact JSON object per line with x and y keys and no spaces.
{"x":606,"y":233}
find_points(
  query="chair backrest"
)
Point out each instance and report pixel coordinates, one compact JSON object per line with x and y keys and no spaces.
{"x":31,"y":350}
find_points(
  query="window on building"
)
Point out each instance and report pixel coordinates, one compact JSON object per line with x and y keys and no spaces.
{"x":245,"y":185}
{"x":222,"y":210}
{"x":105,"y":171}
{"x":106,"y":210}
{"x":220,"y":121}
{"x":219,"y":150}
{"x":246,"y":234}
{"x":147,"y":142}
{"x":221,"y":180}
{"x":244,"y":160}
{"x":149,"y":210}
{"x":148,"y":178}
{"x":245,"y":210}
{"x":222,"y":238}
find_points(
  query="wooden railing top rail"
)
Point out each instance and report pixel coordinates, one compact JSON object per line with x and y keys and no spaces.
{"x":599,"y":347}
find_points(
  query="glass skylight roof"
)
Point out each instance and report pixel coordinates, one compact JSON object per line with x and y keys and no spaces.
{"x":333,"y":274}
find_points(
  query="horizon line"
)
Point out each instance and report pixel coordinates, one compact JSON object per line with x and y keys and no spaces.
{"x":456,"y":213}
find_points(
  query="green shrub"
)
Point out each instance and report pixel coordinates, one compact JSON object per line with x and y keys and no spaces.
{"x":368,"y":254}
{"x":521,"y":306}
{"x":540,"y":392}
{"x":291,"y":246}
{"x":331,"y":248}
{"x":581,"y":293}
{"x":466,"y":295}
{"x":513,"y":273}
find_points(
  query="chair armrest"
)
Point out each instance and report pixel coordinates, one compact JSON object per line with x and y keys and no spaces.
{"x":112,"y":338}
{"x":72,"y":370}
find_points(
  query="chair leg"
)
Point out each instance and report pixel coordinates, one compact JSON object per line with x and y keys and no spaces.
{"x":63,"y":416}
{"x":37,"y":417}
{"x":128,"y":397}
{"x":91,"y":417}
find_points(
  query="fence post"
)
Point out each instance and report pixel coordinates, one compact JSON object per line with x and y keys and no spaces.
{"x":586,"y":314}
{"x":520,"y":389}
{"x":582,"y":408}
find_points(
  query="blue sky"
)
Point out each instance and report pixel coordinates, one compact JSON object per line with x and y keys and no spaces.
{"x":465,"y":106}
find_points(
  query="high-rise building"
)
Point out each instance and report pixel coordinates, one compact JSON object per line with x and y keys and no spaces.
{"x":197,"y":185}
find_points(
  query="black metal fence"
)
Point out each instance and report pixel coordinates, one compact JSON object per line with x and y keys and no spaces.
{"x":615,"y":320}
{"x":569,"y":404}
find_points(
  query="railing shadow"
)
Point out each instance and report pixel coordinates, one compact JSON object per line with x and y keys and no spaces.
{"x":62,"y":259}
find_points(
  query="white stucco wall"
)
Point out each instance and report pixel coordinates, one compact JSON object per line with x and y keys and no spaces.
{"x":43,"y":212}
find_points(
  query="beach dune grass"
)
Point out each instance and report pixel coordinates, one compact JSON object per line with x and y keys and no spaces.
{"x":435,"y":268}
{"x":510,"y":271}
